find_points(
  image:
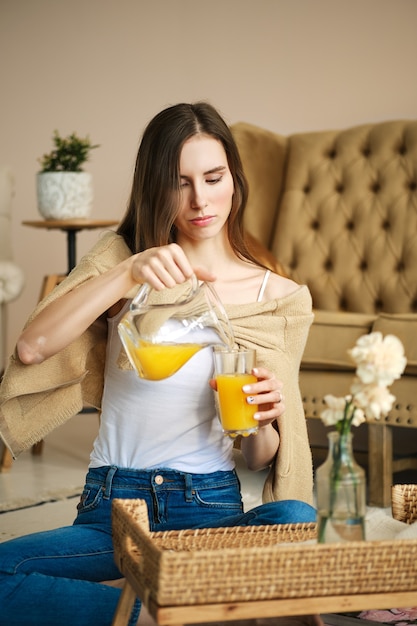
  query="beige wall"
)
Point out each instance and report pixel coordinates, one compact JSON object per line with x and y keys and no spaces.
{"x":104,"y":67}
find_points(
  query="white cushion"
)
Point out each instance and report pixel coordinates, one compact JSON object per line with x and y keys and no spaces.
{"x":11,"y":281}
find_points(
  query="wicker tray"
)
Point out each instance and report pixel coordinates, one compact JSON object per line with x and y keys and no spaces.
{"x":252,"y":563}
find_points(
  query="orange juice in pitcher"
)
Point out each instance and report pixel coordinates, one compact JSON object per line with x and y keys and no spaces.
{"x":158,"y":361}
{"x":164,"y":329}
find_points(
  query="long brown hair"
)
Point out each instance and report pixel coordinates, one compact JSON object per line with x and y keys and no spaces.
{"x":154,"y":199}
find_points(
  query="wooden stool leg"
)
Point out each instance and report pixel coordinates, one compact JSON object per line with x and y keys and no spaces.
{"x":124,"y":606}
{"x":380,"y":453}
{"x":37,"y":448}
{"x":6,"y":460}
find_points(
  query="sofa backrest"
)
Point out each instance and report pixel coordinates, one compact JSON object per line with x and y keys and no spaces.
{"x":346,"y":222}
{"x":263,"y":155}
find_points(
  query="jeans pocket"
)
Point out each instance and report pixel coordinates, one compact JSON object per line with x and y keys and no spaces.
{"x":91,"y":498}
{"x":227,"y":498}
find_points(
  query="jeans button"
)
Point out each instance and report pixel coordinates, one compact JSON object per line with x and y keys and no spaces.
{"x":159,"y":479}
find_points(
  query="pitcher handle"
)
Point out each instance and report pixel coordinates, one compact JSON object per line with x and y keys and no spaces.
{"x":144,"y":290}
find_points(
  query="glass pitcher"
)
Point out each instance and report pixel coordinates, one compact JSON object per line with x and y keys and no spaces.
{"x":163,"y":329}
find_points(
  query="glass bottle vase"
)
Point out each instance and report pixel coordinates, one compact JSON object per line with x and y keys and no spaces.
{"x":341,"y":493}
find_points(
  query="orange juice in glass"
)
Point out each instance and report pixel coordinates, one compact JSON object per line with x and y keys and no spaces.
{"x":233,"y":370}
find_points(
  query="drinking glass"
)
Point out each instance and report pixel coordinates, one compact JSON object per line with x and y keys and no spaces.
{"x":163,"y":329}
{"x":233,"y":370}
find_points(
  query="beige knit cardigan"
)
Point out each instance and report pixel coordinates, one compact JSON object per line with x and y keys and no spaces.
{"x":35,"y":399}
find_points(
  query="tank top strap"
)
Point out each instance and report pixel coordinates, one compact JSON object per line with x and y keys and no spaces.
{"x":263,"y":286}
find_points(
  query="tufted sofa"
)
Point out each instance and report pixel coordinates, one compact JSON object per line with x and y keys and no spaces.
{"x":338,"y":209}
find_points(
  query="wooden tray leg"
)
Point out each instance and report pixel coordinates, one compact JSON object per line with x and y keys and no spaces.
{"x":124,"y":606}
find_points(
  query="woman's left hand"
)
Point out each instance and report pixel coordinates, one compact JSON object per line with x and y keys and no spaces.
{"x":267,"y":394}
{"x":260,"y":450}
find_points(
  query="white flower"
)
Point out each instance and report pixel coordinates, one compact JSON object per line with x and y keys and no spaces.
{"x":379,"y":360}
{"x":358,"y":417}
{"x":335,"y":412}
{"x":375,"y":401}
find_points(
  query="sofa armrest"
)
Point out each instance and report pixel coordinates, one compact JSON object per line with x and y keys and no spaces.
{"x":331,"y":335}
{"x":403,"y":326}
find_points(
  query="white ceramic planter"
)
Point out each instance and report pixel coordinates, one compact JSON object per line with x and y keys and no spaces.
{"x":64,"y":195}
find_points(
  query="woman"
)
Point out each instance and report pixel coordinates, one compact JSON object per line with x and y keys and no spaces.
{"x":184,"y":217}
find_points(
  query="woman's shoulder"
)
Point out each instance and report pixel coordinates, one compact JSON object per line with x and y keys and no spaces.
{"x":279,"y":287}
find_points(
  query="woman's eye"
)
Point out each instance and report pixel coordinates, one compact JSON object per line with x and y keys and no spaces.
{"x":213,"y":181}
{"x":184,"y":183}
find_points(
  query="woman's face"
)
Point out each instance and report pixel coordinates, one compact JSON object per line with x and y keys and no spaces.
{"x":206,"y":189}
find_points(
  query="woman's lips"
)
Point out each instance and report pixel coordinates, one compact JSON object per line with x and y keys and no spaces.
{"x":202,"y":221}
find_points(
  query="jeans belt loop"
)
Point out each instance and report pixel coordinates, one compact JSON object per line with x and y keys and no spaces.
{"x":109,"y":482}
{"x":188,"y":488}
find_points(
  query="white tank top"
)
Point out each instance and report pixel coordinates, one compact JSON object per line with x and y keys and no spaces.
{"x":151,"y":424}
{"x":167,"y":423}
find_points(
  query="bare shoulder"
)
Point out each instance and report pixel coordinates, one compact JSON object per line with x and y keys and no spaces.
{"x":279,"y":287}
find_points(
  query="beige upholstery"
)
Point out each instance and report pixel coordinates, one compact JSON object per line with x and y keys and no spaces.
{"x":338,"y":209}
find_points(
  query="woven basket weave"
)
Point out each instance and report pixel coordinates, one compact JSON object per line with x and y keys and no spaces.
{"x":404,"y":503}
{"x":252,"y":563}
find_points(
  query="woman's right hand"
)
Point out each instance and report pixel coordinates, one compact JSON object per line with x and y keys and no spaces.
{"x":165,"y":266}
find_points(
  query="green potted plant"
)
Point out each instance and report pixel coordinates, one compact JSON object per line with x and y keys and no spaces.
{"x":64,"y":190}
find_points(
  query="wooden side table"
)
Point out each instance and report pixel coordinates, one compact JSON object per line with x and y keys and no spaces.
{"x":71,"y":228}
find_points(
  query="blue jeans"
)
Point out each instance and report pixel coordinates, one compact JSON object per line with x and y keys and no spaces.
{"x":52,"y":578}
